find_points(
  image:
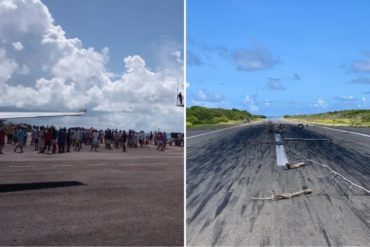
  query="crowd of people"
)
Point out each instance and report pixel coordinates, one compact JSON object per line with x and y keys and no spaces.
{"x":52,"y":140}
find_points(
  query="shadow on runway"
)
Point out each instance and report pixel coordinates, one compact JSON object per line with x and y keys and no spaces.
{"x":37,"y":186}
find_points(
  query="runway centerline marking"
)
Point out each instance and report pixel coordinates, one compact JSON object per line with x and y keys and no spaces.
{"x":60,"y":165}
{"x":215,"y":131}
{"x":97,"y":165}
{"x":281,"y":158}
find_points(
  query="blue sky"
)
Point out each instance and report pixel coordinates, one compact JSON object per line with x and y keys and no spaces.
{"x":127,"y":27}
{"x":278,"y":57}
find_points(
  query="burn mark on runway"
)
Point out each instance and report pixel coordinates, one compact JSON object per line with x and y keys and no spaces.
{"x":362,"y":215}
{"x":244,"y":207}
{"x":258,"y":168}
{"x":308,"y":211}
{"x":328,"y":198}
{"x":200,"y":207}
{"x":326,"y":236}
{"x":265,"y":241}
{"x":37,"y":186}
{"x":217,"y":232}
{"x":223,"y":204}
{"x":256,"y":209}
{"x":206,"y":224}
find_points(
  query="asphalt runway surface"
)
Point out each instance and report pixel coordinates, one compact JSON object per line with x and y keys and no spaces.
{"x":87,"y":198}
{"x":226,"y":169}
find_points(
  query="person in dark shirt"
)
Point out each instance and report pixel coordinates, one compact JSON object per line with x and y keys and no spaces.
{"x":124,"y":140}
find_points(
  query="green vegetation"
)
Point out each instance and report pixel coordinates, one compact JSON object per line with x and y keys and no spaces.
{"x":198,"y":115}
{"x":355,"y":118}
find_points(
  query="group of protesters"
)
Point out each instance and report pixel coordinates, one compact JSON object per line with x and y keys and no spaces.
{"x":52,"y":140}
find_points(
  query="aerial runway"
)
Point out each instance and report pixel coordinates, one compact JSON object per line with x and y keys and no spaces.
{"x":231,"y":171}
{"x":92,"y":199}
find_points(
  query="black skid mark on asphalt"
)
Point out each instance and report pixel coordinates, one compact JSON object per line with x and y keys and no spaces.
{"x":37,"y":186}
{"x":205,"y":225}
{"x":258,"y":168}
{"x":341,"y":159}
{"x":244,"y":207}
{"x":308,"y":211}
{"x":265,"y":241}
{"x":193,"y":201}
{"x":256,"y":209}
{"x":263,"y":152}
{"x":244,"y":181}
{"x":201,"y":207}
{"x":217,"y":232}
{"x":362,"y":215}
{"x":328,"y":198}
{"x":223,"y":204}
{"x":326,"y":236}
{"x":230,"y":185}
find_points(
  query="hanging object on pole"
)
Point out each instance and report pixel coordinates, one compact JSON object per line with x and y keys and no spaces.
{"x":180,"y":96}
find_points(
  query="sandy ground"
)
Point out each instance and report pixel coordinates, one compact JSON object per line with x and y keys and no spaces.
{"x":225,"y":170}
{"x":88,"y":198}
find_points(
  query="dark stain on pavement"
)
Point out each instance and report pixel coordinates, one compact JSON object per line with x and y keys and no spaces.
{"x":37,"y":186}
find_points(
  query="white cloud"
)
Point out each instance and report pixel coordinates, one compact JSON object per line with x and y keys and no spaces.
{"x":7,"y":66}
{"x":320,"y":103}
{"x":255,"y":58}
{"x":348,"y":98}
{"x":54,"y":72}
{"x":267,"y":102}
{"x":363,"y":65}
{"x":17,"y":46}
{"x":205,"y":96}
{"x":8,"y":4}
{"x":275,"y":84}
{"x":250,"y":101}
{"x":363,"y":102}
{"x":360,"y":80}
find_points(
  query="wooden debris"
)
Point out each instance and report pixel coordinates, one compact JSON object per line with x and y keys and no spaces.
{"x":295,"y":165}
{"x":282,"y":196}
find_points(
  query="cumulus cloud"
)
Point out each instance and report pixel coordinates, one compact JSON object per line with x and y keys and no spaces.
{"x":7,"y":66}
{"x":320,"y":103}
{"x":256,"y":58}
{"x":40,"y":68}
{"x":250,"y":101}
{"x":275,"y":84}
{"x":206,"y":96}
{"x":360,"y":80}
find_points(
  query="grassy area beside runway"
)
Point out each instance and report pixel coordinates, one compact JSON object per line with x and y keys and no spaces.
{"x":203,"y":117}
{"x":353,"y":118}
